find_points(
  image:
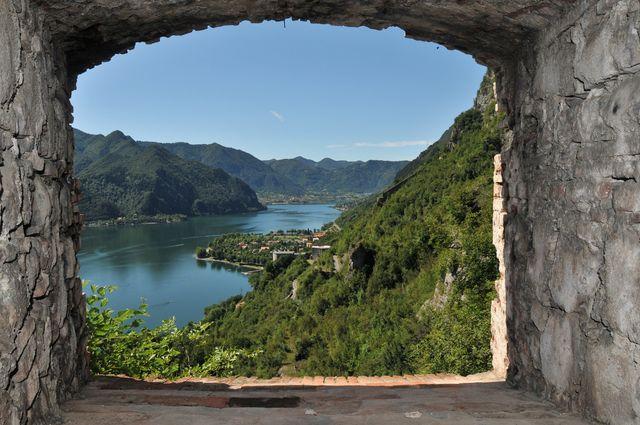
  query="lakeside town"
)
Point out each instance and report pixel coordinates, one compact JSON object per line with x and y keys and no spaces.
{"x":255,"y":249}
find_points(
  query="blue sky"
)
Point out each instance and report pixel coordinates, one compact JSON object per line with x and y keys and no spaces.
{"x":311,"y":90}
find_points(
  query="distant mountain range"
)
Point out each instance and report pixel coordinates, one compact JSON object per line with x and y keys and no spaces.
{"x":121,"y":177}
{"x":333,"y":176}
{"x":295,"y":176}
{"x":260,"y":176}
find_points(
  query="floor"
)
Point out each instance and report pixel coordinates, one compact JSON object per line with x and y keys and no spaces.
{"x":428,"y":399}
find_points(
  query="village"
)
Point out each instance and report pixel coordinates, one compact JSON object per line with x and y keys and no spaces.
{"x":255,"y":249}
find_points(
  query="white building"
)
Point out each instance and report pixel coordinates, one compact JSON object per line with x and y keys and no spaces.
{"x":317,"y":250}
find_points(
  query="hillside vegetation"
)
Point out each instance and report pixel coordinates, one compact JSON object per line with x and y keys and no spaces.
{"x":298,"y":178}
{"x":294,"y":177}
{"x":260,"y":176}
{"x":412,"y":290}
{"x":120,"y":177}
{"x":420,"y":299}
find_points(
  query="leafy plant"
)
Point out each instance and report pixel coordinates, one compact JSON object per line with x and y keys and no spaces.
{"x":201,"y":252}
{"x":120,"y":344}
{"x":224,"y":362}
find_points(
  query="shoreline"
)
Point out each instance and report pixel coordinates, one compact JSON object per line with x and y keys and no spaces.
{"x":138,"y":221}
{"x":254,"y":268}
{"x":179,"y":218}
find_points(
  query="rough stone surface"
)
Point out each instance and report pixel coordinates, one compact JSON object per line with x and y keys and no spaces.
{"x":42,"y":326}
{"x":499,"y":337}
{"x":295,"y":286}
{"x":440,"y":296}
{"x":400,"y":400}
{"x":92,"y":31}
{"x":567,"y":78}
{"x":572,"y":235}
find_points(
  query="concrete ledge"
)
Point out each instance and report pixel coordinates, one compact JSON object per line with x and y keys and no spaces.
{"x":427,"y":399}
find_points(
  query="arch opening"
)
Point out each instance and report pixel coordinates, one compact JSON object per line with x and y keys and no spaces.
{"x":569,"y":168}
{"x":86,"y":173}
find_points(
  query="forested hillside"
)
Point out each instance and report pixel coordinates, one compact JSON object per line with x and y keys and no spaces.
{"x":246,"y":167}
{"x":417,"y":298}
{"x":120,"y":177}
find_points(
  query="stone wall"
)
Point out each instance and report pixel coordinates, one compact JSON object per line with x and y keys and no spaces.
{"x":499,"y":338}
{"x":567,"y":74}
{"x":41,"y":310}
{"x":572,"y":233}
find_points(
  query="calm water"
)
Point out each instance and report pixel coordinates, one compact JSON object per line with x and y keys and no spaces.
{"x":156,"y":262}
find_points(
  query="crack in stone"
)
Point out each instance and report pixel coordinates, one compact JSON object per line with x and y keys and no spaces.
{"x":623,"y":178}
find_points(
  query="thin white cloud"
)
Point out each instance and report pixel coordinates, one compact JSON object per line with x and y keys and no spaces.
{"x":277,"y":115}
{"x":394,"y":144}
{"x":398,"y":144}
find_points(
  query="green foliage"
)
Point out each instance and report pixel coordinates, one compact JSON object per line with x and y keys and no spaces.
{"x":224,"y":362}
{"x":260,"y":176}
{"x":275,"y":179}
{"x":122,"y":177}
{"x":383,"y":319}
{"x":456,"y":341}
{"x":119,"y":344}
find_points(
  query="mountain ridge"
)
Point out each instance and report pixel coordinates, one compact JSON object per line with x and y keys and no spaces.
{"x":290,"y":177}
{"x":121,"y":177}
{"x":236,"y":162}
{"x":339,"y":176}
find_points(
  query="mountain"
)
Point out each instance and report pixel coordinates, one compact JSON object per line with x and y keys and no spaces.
{"x":295,"y":176}
{"x":246,"y":167}
{"x":332,"y":164}
{"x":406,"y":286}
{"x":121,"y":177}
{"x":333,"y":176}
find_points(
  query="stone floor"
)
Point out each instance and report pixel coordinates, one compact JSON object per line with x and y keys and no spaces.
{"x":429,"y":399}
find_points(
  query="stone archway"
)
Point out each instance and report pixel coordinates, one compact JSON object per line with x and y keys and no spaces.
{"x":567,"y":75}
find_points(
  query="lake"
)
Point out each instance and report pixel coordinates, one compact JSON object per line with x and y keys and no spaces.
{"x":156,"y":262}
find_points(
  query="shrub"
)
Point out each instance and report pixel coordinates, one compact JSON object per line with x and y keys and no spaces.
{"x":119,"y":344}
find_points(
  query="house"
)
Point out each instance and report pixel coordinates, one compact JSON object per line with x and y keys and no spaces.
{"x":317,"y":250}
{"x":279,"y":254}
